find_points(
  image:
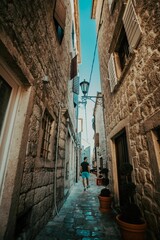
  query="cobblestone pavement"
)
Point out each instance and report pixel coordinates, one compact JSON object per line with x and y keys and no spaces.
{"x":80,"y":218}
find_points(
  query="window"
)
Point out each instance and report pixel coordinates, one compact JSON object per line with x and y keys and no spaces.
{"x":73,"y":41}
{"x":121,"y":51}
{"x":128,"y":39}
{"x":112,"y":72}
{"x":47,"y":123}
{"x":73,"y":72}
{"x":111,"y":5}
{"x":9,"y":96}
{"x":152,"y":131}
{"x":101,"y":162}
{"x":59,"y":17}
{"x":5,"y":92}
{"x":96,"y":138}
{"x":156,"y":140}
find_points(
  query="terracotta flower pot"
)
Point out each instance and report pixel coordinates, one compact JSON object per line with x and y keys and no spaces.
{"x":131,"y":231}
{"x":99,"y":181}
{"x":105,"y":203}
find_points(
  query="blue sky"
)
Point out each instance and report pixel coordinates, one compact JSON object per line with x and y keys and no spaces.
{"x":88,"y":42}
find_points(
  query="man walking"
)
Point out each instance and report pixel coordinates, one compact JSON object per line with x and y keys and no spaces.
{"x":85,"y":169}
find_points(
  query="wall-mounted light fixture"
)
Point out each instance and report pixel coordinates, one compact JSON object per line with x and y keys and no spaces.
{"x":45,"y":79}
{"x":84,"y":87}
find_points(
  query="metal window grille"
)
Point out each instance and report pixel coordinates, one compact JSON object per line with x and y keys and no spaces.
{"x":112,"y":72}
{"x":46,"y":127}
{"x":131,"y":24}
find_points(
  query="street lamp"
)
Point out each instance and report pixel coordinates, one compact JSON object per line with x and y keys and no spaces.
{"x":84,"y":87}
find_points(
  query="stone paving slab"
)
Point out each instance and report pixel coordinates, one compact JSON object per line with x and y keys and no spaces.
{"x":81,"y":219}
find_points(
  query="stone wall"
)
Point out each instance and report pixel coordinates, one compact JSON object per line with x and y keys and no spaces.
{"x":29,"y":37}
{"x":135,"y":101}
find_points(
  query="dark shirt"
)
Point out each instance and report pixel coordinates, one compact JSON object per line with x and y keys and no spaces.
{"x":84,"y":166}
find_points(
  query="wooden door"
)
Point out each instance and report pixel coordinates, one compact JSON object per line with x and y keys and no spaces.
{"x":121,"y":157}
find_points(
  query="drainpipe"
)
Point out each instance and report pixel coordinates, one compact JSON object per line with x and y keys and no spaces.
{"x":56,"y":159}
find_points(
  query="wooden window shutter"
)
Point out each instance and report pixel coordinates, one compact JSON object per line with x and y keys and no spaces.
{"x":75,"y":87}
{"x":97,"y":140}
{"x":60,"y":13}
{"x":73,"y":72}
{"x":75,"y":99}
{"x":112,"y":72}
{"x":131,"y":25}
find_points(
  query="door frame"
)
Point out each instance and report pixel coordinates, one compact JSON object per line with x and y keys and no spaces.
{"x":124,"y":124}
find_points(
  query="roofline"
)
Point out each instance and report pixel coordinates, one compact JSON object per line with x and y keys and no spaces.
{"x":94,"y":6}
{"x":77,"y":23}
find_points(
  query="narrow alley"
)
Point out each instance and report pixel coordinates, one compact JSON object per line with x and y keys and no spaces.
{"x":79,"y":80}
{"x":80,"y":218}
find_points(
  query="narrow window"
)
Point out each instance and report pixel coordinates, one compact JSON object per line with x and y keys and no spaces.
{"x":156,"y":140}
{"x":5,"y":92}
{"x":111,"y":5}
{"x":59,"y":17}
{"x":9,"y":96}
{"x":112,"y":72}
{"x":96,"y":140}
{"x":73,"y":72}
{"x":122,"y":51}
{"x":118,"y":59}
{"x":101,"y":162}
{"x":73,"y":41}
{"x":46,"y":139}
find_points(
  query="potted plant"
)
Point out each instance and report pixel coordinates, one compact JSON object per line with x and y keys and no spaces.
{"x":99,"y":179}
{"x":105,"y":198}
{"x":130,"y":220}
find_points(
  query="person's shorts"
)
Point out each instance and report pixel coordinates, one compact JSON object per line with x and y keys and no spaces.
{"x":85,"y":174}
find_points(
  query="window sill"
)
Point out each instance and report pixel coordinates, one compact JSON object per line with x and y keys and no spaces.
{"x":41,"y":163}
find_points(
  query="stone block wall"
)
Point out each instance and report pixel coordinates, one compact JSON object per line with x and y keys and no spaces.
{"x":28,"y":35}
{"x":134,"y":103}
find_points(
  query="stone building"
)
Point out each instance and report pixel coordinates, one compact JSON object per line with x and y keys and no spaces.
{"x":100,"y":138}
{"x":128,"y":43}
{"x":39,"y":53}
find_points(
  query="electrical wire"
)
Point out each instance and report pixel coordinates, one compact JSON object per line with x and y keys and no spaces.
{"x":94,"y":54}
{"x":56,"y":159}
{"x":86,"y":123}
{"x":92,"y":66}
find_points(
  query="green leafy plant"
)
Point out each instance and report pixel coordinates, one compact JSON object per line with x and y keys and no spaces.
{"x":105,"y":192}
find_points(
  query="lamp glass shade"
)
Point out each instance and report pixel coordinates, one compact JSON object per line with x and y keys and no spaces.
{"x":84,"y":87}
